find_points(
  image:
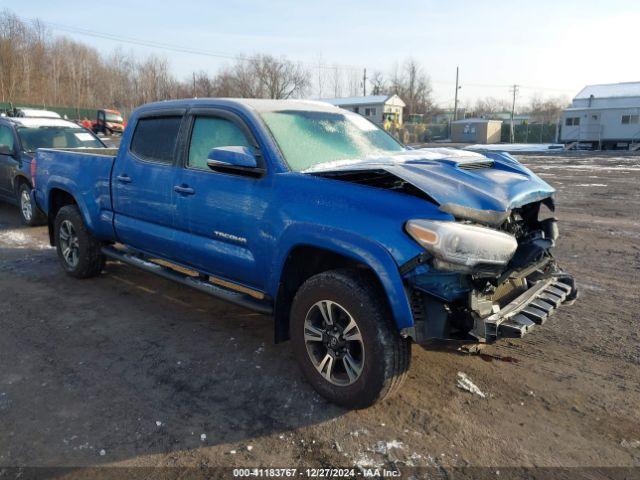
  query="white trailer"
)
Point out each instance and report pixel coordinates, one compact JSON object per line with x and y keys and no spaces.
{"x":604,"y":116}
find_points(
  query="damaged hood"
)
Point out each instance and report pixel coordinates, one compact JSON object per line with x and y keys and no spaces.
{"x":468,"y":185}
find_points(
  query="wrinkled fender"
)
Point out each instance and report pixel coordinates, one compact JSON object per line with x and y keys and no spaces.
{"x":350,"y":245}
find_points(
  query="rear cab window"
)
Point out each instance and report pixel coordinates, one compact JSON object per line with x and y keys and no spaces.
{"x":155,"y":138}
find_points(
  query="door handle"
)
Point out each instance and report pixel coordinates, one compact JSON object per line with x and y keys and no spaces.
{"x":184,"y":190}
{"x":124,"y":178}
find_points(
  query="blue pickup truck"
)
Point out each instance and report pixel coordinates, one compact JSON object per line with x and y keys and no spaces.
{"x":357,"y":245}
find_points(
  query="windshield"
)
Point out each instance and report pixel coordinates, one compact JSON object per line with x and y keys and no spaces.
{"x":114,"y":118}
{"x":56,"y":137}
{"x":308,"y":138}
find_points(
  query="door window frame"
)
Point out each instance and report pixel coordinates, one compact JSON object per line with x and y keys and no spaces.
{"x":17,"y":147}
{"x":189,"y":122}
{"x":175,"y":112}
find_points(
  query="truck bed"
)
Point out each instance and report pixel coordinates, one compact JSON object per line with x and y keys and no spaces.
{"x":83,"y":173}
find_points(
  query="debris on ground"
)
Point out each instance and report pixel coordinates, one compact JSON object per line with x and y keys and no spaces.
{"x":465,"y":383}
{"x":384,"y":447}
{"x":630,"y":443}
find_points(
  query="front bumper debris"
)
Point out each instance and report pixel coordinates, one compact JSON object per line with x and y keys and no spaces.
{"x":529,"y":309}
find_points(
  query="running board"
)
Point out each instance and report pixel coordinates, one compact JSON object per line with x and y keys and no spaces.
{"x":237,"y":298}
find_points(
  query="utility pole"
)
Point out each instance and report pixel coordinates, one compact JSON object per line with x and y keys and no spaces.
{"x":364,"y":83}
{"x":455,"y":102}
{"x":514,"y":89}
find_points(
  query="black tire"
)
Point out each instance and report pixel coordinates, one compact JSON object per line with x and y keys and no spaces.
{"x":89,"y":260}
{"x":386,"y":355}
{"x":29,"y":214}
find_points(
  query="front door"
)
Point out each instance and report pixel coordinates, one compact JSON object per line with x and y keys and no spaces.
{"x":143,"y":179}
{"x":8,"y":163}
{"x":220,"y":215}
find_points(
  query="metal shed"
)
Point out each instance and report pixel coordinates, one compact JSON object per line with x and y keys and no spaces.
{"x":476,"y":130}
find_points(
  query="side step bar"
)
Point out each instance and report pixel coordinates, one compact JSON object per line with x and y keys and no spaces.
{"x":237,"y":298}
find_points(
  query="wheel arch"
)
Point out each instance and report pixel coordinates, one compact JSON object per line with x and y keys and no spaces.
{"x":305,"y":259}
{"x":58,"y":198}
{"x":19,"y":180}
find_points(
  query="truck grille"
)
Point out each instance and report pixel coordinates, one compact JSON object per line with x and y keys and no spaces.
{"x":508,"y":290}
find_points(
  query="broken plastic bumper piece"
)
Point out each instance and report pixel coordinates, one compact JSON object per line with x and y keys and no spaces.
{"x":533,"y":307}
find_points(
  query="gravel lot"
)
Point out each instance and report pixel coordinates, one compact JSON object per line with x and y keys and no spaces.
{"x":130,"y":369}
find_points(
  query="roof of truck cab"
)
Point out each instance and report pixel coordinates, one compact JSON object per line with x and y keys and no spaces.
{"x":34,"y":122}
{"x":256,"y":104}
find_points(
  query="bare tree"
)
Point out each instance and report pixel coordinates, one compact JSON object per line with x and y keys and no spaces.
{"x":378,"y":83}
{"x":411,"y":84}
{"x":488,"y":106}
{"x":547,"y":110}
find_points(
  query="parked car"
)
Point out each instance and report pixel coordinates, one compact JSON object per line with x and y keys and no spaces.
{"x":19,"y":139}
{"x":356,"y":245}
{"x":33,"y":112}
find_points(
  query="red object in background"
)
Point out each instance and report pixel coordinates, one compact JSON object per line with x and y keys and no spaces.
{"x":32,"y":171}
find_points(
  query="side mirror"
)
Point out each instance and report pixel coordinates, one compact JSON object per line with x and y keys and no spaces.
{"x":234,"y":159}
{"x":6,"y":150}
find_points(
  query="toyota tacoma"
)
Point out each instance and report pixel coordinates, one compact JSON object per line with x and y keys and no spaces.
{"x":357,"y":246}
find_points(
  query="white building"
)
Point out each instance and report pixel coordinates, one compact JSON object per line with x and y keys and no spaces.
{"x":376,"y":108}
{"x":606,"y":116}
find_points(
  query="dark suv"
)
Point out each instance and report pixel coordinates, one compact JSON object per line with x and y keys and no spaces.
{"x":20,"y":137}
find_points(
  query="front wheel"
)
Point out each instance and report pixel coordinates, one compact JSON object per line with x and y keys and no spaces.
{"x":78,"y":251}
{"x":344,"y":339}
{"x":28,"y":212}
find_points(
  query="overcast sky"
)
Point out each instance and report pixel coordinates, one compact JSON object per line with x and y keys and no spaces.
{"x":552,"y":47}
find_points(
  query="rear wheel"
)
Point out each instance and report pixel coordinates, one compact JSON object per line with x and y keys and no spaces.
{"x":344,"y":339}
{"x":78,"y":250}
{"x":28,"y":212}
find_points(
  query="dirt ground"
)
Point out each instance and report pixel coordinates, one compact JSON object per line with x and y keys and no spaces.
{"x":129,"y":369}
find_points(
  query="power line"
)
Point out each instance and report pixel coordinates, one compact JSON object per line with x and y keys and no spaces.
{"x":228,"y":56}
{"x":166,"y":46}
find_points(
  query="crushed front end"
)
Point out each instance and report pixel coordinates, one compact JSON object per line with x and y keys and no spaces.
{"x":509,"y":283}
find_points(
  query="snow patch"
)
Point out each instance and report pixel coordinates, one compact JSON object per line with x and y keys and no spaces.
{"x":384,"y":447}
{"x":19,"y":239}
{"x":518,"y":147}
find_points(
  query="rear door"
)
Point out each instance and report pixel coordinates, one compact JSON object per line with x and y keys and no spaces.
{"x":219,"y":217}
{"x":143,"y":180}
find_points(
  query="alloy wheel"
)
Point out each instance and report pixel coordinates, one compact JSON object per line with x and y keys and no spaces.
{"x":334,"y":343}
{"x":25,"y":205}
{"x":69,"y":245}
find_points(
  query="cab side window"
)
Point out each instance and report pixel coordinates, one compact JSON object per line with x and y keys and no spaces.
{"x":6,"y":137}
{"x":155,"y":138}
{"x":212,"y":132}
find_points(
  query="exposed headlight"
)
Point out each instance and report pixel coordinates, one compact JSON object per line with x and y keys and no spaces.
{"x":461,"y":247}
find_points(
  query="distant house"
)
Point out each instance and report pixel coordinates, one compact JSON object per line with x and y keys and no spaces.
{"x":377,"y":108}
{"x":606,"y":116}
{"x":476,"y":130}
